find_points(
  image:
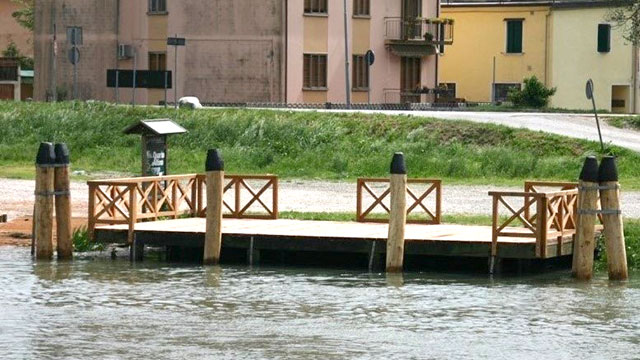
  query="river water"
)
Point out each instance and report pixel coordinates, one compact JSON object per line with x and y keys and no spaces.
{"x":98,"y":308}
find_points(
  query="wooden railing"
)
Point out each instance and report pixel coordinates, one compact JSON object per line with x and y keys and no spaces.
{"x":241,"y":206}
{"x":131,"y":200}
{"x":416,"y":201}
{"x":554,"y":216}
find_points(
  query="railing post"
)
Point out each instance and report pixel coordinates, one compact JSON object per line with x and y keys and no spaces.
{"x":542,"y":226}
{"x":195,"y":201}
{"x":274,"y":202}
{"x":133,"y":212}
{"x":91,"y":224}
{"x":438,"y":202}
{"x":63,"y":203}
{"x":174,"y":198}
{"x":237,"y":183}
{"x":612,"y":219}
{"x":398,"y":214}
{"x":584,"y":242}
{"x":359,"y":200}
{"x":215,"y":190}
{"x":494,"y":234}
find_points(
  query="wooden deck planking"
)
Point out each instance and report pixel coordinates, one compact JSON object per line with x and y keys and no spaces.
{"x":325,"y":229}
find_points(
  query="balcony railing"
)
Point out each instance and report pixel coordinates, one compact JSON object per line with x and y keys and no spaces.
{"x":431,"y":31}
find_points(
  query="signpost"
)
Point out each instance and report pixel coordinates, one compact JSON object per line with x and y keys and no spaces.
{"x":175,"y":42}
{"x":74,"y":37}
{"x":589,"y":93}
{"x":154,"y":143}
{"x":370,"y":58}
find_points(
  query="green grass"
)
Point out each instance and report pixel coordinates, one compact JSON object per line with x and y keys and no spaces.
{"x":625,"y":122}
{"x":81,"y":242}
{"x":314,"y":145}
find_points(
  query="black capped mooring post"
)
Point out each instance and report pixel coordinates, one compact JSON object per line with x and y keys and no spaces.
{"x":45,"y":163}
{"x":612,"y":219}
{"x":215,"y":183}
{"x":63,"y":202}
{"x":398,"y":214}
{"x":584,"y":243}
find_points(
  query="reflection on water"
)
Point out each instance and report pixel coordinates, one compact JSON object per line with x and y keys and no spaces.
{"x":98,"y":308}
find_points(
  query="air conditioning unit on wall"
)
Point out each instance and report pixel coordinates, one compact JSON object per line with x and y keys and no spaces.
{"x":125,"y":51}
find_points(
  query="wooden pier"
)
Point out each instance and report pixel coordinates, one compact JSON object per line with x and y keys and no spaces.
{"x":168,"y":211}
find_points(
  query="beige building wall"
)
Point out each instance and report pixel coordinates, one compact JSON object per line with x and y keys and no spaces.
{"x":575,"y":58}
{"x":480,"y":35}
{"x":10,"y":30}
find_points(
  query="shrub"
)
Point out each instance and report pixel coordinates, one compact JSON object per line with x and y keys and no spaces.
{"x":533,"y":95}
{"x":82,"y":243}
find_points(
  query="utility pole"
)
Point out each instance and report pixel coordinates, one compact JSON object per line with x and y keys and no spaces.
{"x":346,"y":57}
{"x":54,"y":82}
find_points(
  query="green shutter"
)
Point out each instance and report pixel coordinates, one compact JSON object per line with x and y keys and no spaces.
{"x":514,"y":36}
{"x":604,"y":38}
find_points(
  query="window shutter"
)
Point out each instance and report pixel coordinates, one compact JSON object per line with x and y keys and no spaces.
{"x":604,"y":38}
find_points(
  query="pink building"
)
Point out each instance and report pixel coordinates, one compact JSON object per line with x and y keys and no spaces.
{"x":245,"y":50}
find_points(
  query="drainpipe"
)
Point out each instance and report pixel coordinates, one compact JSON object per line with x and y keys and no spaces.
{"x":286,"y":51}
{"x":546,"y":48}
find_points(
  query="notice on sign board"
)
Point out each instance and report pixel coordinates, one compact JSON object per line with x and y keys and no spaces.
{"x":155,"y":156}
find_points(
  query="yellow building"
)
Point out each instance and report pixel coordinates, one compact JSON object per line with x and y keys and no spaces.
{"x":562,"y":43}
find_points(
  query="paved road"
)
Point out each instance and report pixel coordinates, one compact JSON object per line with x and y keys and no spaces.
{"x":301,"y":195}
{"x":582,"y":126}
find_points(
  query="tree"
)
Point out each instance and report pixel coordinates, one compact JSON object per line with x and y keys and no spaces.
{"x":533,"y":95}
{"x":627,"y":17}
{"x":25,"y":15}
{"x":26,"y":63}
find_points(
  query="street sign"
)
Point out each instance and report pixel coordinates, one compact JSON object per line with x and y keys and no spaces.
{"x":74,"y":55}
{"x":176,"y":41}
{"x":589,"y":89}
{"x":370,"y":57}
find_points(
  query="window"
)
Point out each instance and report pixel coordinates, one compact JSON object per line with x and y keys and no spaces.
{"x":361,"y":8}
{"x":514,"y":36}
{"x":315,"y":6}
{"x":410,"y":79}
{"x":315,"y":71}
{"x":74,"y":35}
{"x":501,"y":91}
{"x":8,"y":70}
{"x":450,"y":90}
{"x":157,"y":61}
{"x":157,"y":6}
{"x":604,"y":38}
{"x":360,"y":73}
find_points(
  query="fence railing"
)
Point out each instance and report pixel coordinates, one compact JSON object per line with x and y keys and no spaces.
{"x":416,"y":201}
{"x":431,"y":31}
{"x":554,"y":215}
{"x":131,"y":200}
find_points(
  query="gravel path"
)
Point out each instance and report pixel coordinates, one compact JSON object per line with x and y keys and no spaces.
{"x":299,"y":195}
{"x":582,"y":126}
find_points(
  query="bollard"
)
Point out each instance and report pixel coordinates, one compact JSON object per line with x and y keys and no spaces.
{"x":215,"y":183}
{"x":584,"y":243}
{"x":398,"y":214}
{"x":63,"y":202}
{"x":612,"y":219}
{"x":45,"y":162}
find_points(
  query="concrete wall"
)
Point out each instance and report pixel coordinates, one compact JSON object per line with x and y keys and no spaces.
{"x":575,"y":59}
{"x":10,"y":30}
{"x":97,"y":54}
{"x":480,"y":34}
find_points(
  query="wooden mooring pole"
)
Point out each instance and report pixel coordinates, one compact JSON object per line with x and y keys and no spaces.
{"x":612,"y":219}
{"x":63,"y":202}
{"x":215,"y":183}
{"x":398,"y":214}
{"x":45,"y":162}
{"x":584,"y":243}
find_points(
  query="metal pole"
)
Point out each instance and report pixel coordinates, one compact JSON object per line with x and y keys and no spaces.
{"x":595,"y":112}
{"x":175,"y":69}
{"x":75,"y":74}
{"x":135,"y":65}
{"x":166,"y":74}
{"x":117,"y":85}
{"x":368,"y":83}
{"x":54,"y":65}
{"x":346,"y":57}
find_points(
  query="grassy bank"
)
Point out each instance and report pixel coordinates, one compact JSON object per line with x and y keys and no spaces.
{"x":631,"y":231}
{"x":625,"y":122}
{"x":298,"y":144}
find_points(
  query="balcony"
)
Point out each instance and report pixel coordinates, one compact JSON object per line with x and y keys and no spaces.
{"x":418,"y":37}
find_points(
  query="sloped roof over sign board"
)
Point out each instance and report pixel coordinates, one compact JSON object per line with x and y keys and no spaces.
{"x":155,"y":127}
